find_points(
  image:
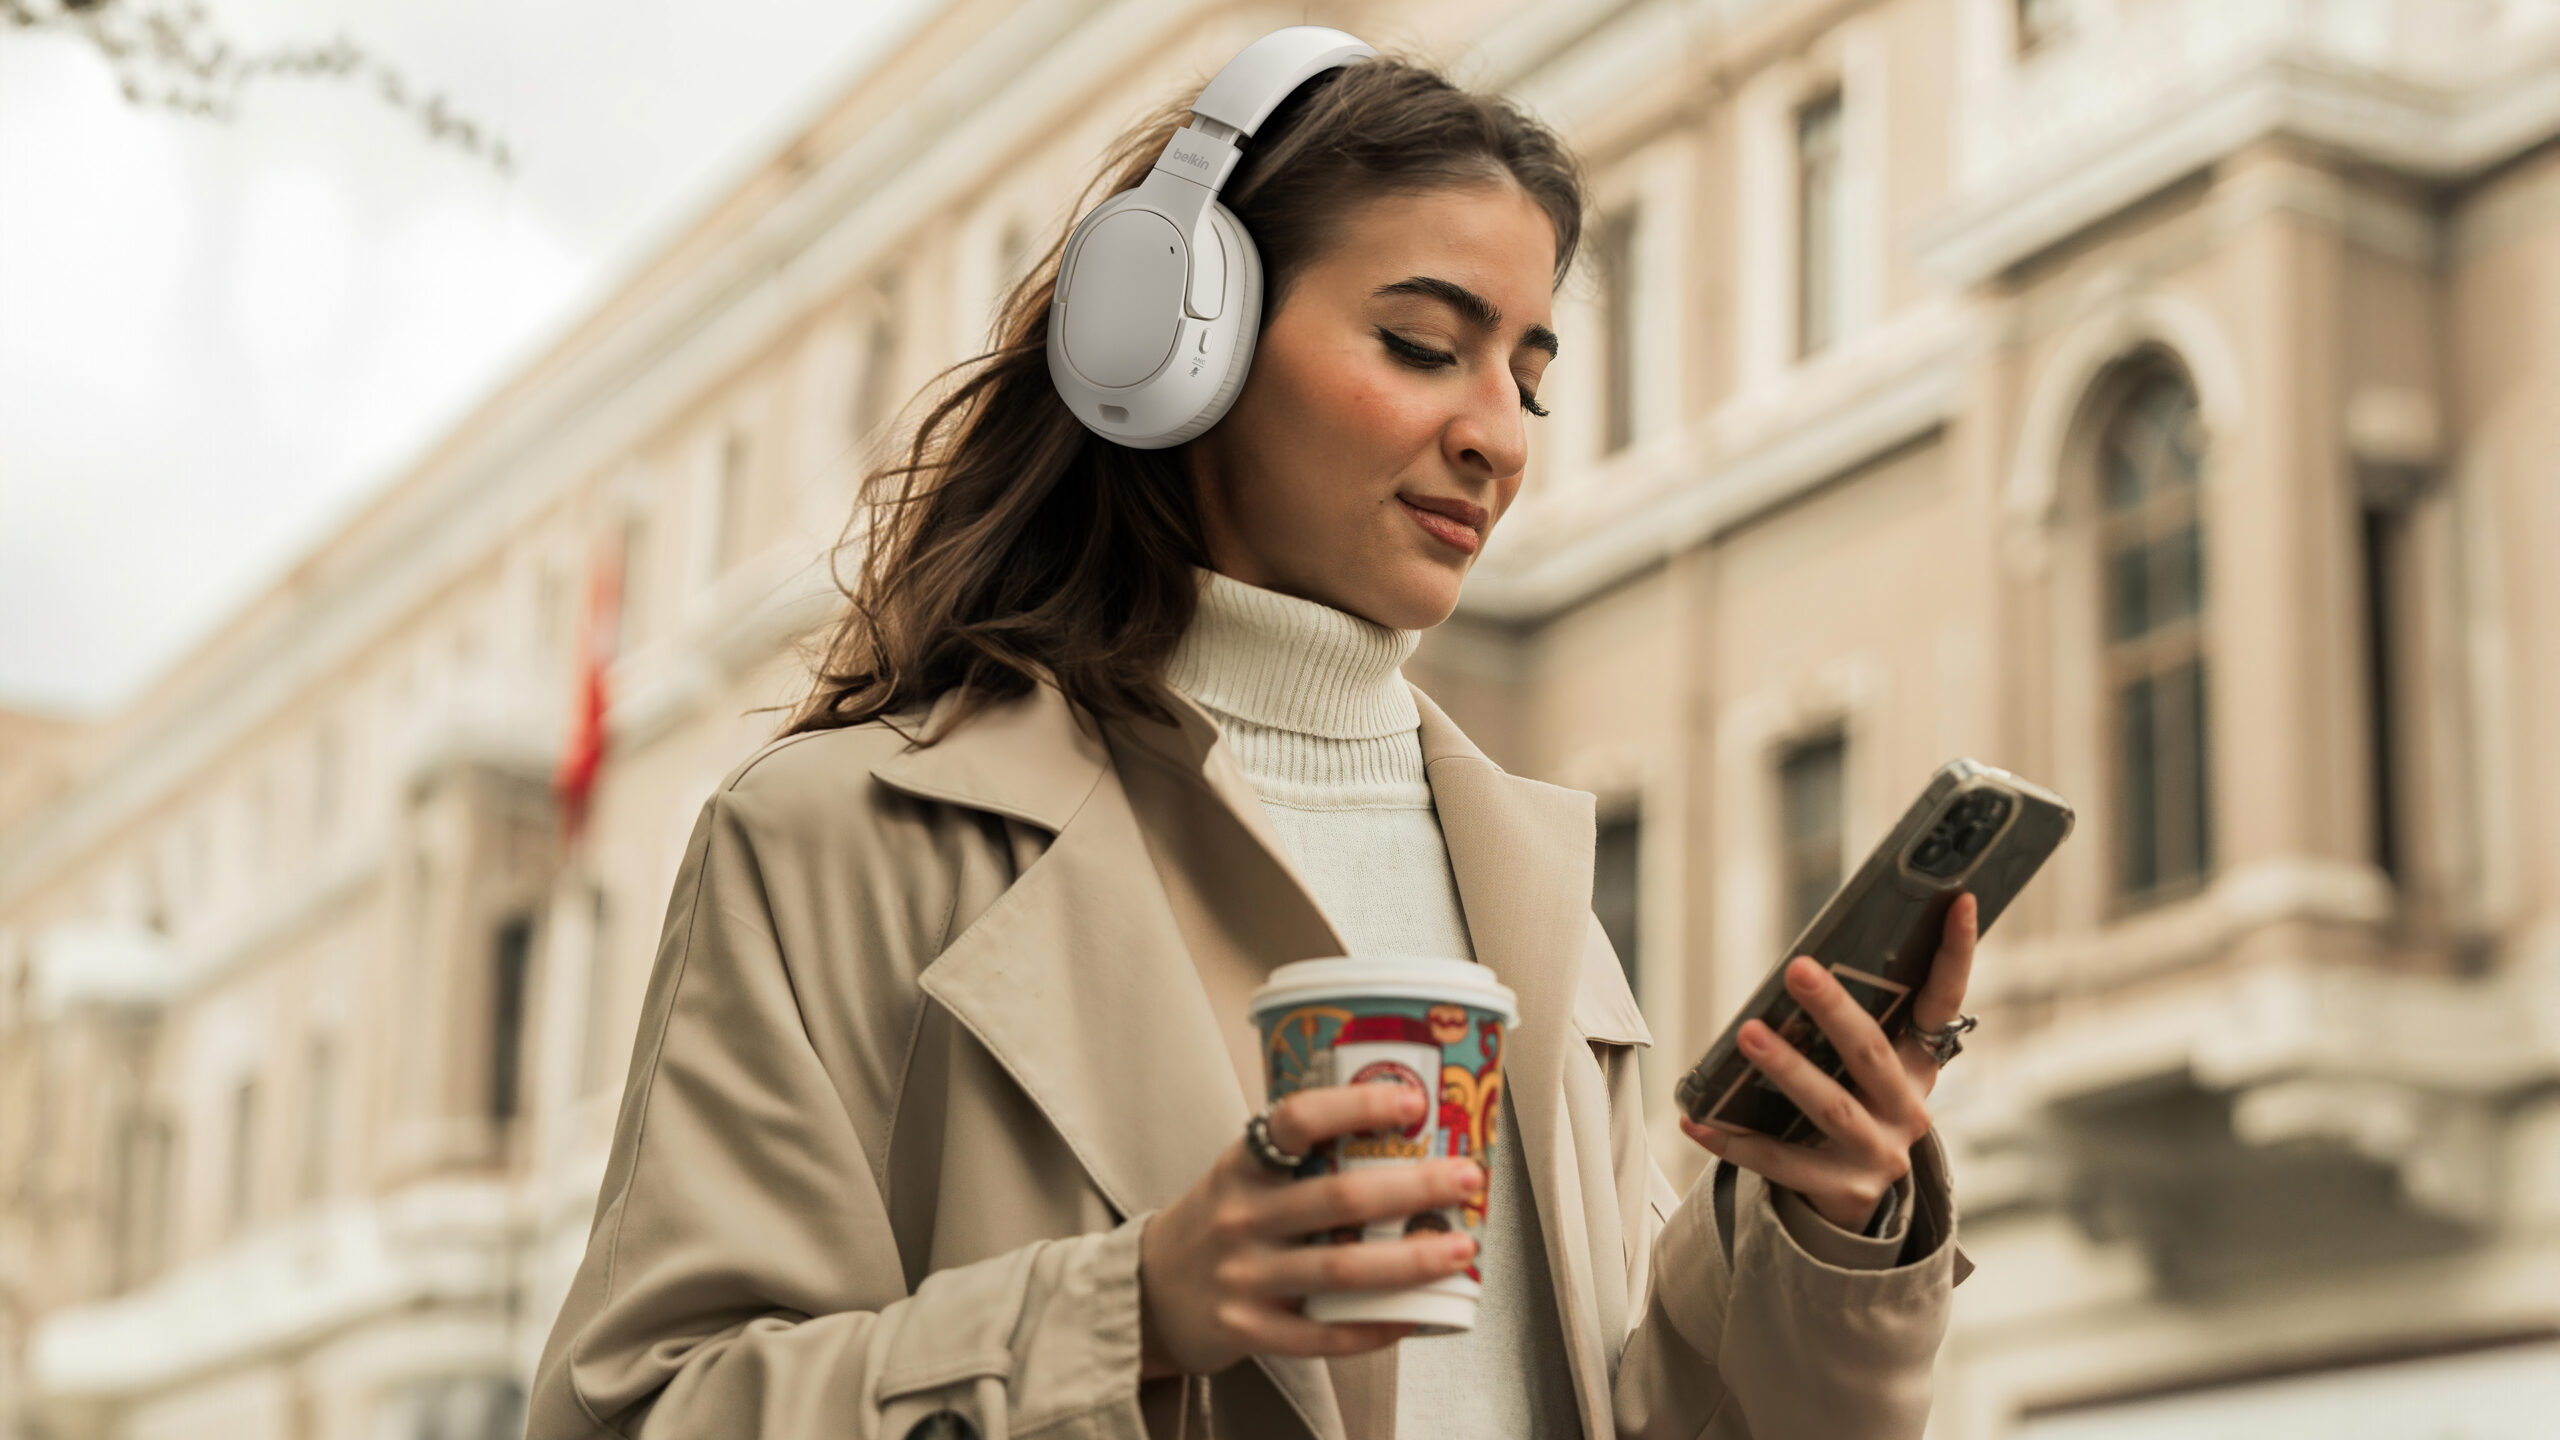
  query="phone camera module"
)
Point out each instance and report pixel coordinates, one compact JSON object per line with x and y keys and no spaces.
{"x":1961,"y":833}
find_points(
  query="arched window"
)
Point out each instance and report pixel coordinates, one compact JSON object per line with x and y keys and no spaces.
{"x":2149,"y":456}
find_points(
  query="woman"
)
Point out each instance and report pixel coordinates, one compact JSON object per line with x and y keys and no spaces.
{"x":936,"y":1104}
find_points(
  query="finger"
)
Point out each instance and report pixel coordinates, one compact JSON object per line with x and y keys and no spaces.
{"x":1942,"y":998}
{"x":1803,"y":1170}
{"x":1362,"y":1265}
{"x":1831,"y":1108}
{"x":1270,"y":1331}
{"x":1359,"y":1196}
{"x":1308,"y":1118}
{"x":1882,"y":1082}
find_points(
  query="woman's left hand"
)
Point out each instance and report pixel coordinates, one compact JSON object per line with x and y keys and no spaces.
{"x":1867,"y":1132}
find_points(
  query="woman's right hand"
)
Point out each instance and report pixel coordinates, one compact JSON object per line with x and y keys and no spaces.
{"x":1220,"y":1276}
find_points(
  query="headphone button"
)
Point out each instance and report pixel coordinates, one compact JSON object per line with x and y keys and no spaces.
{"x":1208,"y":293}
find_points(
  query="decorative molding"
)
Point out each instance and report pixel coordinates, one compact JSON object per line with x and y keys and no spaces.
{"x":285,"y":1287}
{"x":2431,"y":131}
{"x":2119,"y":320}
{"x":2413,"y":1074}
{"x":2240,"y":899}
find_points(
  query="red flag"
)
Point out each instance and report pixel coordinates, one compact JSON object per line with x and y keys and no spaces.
{"x":583,"y":756}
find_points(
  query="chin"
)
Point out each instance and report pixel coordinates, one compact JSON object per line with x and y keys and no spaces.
{"x":1415,"y":595}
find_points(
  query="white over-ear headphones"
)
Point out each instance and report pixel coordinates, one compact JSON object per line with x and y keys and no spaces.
{"x":1159,"y":295}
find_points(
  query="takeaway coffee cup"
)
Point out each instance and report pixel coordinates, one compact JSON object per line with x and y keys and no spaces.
{"x":1436,"y":1025}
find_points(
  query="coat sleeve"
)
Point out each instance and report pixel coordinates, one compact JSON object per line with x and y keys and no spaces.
{"x":1759,"y":1319}
{"x":742,"y":1279}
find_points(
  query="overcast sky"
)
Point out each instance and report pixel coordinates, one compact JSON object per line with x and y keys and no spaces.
{"x":217,"y":338}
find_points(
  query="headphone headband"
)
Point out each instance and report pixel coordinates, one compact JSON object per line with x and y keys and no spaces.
{"x":1248,"y":88}
{"x":1243,"y":94}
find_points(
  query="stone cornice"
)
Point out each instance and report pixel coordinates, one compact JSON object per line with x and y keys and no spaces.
{"x":2418,"y":129}
{"x":443,"y":1241}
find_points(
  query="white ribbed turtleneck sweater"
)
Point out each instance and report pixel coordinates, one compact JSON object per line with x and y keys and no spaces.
{"x":1313,"y":703}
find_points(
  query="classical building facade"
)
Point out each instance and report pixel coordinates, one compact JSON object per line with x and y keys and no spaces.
{"x":2158,"y":398}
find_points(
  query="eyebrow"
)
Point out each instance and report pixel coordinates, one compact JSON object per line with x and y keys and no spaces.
{"x":1480,"y":312}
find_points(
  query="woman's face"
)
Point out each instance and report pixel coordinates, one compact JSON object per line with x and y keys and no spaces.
{"x":1382,"y":430}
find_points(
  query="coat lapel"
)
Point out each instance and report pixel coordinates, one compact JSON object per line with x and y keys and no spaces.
{"x":1077,"y":978}
{"x":1080,"y":982}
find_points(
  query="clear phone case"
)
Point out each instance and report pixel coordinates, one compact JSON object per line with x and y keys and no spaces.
{"x":1974,"y":828}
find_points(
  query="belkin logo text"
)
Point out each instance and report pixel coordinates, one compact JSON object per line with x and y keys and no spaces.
{"x":1195,"y":161}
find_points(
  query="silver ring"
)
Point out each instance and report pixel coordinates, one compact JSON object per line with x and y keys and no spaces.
{"x":1942,"y":1043}
{"x":1259,"y":1144}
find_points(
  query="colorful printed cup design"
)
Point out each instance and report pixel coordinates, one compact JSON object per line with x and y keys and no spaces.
{"x":1450,"y":1051}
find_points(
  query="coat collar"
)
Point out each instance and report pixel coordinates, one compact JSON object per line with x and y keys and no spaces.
{"x":1080,"y":982}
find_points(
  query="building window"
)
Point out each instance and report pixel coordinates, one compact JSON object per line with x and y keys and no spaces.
{"x":2041,"y":22}
{"x":631,"y":626}
{"x":2382,"y":542}
{"x":141,"y":1199}
{"x":1614,"y":264}
{"x":199,"y":851}
{"x":319,"y":1106}
{"x":326,"y":779}
{"x":239,"y":1202}
{"x":1820,"y":182}
{"x":151,"y":896}
{"x":2149,"y":458}
{"x":1811,"y":803}
{"x":596,"y":1051}
{"x":729,"y":502}
{"x":258,"y":829}
{"x":1614,"y":887}
{"x":550,"y":611}
{"x":1013,"y":256}
{"x":510,"y":972}
{"x":460,"y":1407}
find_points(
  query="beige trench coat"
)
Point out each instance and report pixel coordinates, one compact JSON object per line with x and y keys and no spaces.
{"x":925,"y":1044}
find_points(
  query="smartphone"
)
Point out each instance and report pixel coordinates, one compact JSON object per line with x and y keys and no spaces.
{"x":1973,"y":829}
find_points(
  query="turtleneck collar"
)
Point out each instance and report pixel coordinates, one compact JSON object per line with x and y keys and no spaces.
{"x":1292,"y":664}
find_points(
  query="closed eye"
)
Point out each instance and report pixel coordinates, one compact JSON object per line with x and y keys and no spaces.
{"x":1423,"y":357}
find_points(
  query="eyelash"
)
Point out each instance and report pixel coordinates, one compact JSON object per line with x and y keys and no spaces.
{"x":1422,"y":357}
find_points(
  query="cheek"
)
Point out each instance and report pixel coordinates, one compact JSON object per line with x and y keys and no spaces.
{"x":1370,"y":409}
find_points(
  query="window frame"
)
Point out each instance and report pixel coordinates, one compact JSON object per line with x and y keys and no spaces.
{"x":1617,"y":264}
{"x":2160,"y":649}
{"x":1828,"y":267}
{"x":243,"y":1121}
{"x":1787,"y":847}
{"x":733,"y":498}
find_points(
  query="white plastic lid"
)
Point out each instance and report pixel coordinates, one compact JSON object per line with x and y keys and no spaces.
{"x":1398,"y":977}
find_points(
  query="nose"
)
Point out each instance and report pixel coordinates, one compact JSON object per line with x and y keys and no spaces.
{"x":1488,"y":437}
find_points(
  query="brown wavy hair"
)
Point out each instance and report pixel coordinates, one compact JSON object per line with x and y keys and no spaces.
{"x":1011,"y":544}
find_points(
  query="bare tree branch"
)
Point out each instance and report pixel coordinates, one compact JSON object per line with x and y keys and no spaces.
{"x":167,"y":55}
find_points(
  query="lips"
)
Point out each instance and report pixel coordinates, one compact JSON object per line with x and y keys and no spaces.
{"x":1448,"y":519}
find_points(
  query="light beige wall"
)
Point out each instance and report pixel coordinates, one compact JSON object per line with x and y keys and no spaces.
{"x":2505,"y":497}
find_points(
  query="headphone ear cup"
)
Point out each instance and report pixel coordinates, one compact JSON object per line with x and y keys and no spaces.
{"x":1244,"y":315}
